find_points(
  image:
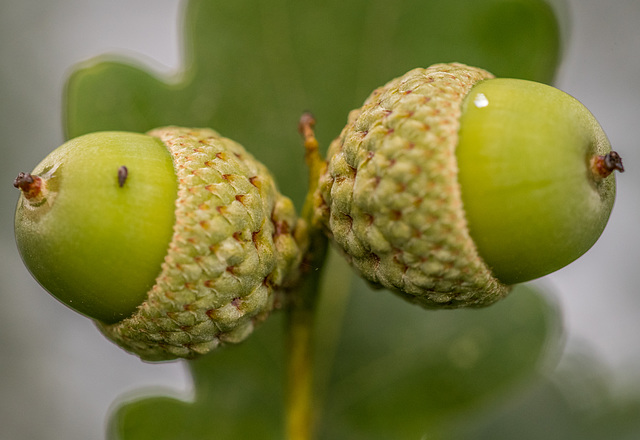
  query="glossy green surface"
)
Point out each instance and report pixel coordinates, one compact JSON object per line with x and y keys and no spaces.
{"x":94,"y":245}
{"x":524,"y":153}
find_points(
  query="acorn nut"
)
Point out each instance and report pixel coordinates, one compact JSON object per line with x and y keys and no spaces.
{"x":174,"y":242}
{"x":449,"y":185}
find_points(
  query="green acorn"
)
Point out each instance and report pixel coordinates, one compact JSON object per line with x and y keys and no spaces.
{"x":448,"y":185}
{"x":174,"y":242}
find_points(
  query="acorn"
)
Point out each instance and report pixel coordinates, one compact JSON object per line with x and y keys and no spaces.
{"x":174,"y":241}
{"x":449,"y":185}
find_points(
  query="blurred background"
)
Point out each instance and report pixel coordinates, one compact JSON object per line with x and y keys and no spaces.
{"x":59,"y":376}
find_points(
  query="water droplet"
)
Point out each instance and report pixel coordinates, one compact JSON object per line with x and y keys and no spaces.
{"x":480,"y":100}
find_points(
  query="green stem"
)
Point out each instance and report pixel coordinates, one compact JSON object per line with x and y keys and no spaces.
{"x":300,"y":404}
{"x":300,"y":377}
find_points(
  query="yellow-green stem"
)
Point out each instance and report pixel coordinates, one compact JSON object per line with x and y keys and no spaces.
{"x":300,"y":347}
{"x":300,"y":405}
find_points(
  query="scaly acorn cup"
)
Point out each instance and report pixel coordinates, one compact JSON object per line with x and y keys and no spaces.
{"x":449,"y":185}
{"x":174,"y":242}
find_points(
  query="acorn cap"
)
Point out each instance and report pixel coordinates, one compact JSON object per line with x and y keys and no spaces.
{"x":390,"y":198}
{"x":236,"y":243}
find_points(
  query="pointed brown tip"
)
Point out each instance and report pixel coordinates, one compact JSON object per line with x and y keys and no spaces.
{"x":306,"y":124}
{"x":603,"y":166}
{"x":613,"y":162}
{"x":30,"y":185}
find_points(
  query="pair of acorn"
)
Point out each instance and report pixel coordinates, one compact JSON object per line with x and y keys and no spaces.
{"x":446,"y":187}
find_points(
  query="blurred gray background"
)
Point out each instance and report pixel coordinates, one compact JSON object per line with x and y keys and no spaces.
{"x":59,"y":376}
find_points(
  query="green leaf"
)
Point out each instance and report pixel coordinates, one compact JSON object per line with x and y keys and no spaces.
{"x":575,"y":403}
{"x":400,"y":371}
{"x":253,"y":66}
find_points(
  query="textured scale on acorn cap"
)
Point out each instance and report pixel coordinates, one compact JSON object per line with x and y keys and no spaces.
{"x":390,"y":198}
{"x":236,"y":242}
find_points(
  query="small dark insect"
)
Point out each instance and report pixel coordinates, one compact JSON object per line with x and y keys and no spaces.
{"x":123,"y":172}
